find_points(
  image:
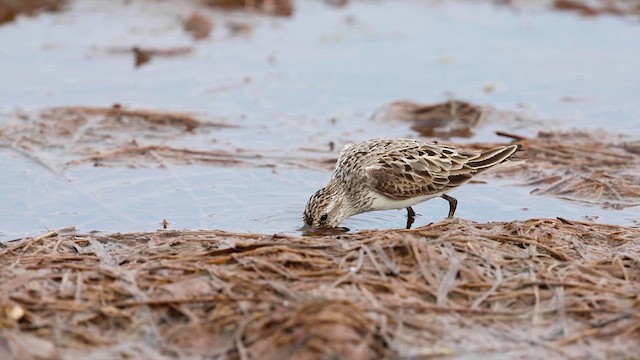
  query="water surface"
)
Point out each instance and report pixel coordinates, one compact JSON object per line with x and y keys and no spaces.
{"x":302,"y":82}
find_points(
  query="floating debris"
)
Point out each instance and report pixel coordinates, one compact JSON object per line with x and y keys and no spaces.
{"x":10,"y":9}
{"x":63,"y":136}
{"x":600,"y":7}
{"x":198,"y":25}
{"x":268,"y":7}
{"x":586,"y":8}
{"x":143,"y":55}
{"x":443,"y":120}
{"x":123,"y":115}
{"x":598,"y":168}
{"x":160,"y":155}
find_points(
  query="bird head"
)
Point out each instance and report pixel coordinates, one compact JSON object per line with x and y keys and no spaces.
{"x":328,"y":207}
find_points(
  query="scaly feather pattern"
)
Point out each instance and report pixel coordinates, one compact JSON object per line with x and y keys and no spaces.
{"x":384,"y":174}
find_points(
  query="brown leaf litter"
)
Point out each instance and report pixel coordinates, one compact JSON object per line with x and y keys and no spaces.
{"x":538,"y":288}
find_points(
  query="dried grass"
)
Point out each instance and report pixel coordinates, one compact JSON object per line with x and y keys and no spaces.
{"x":120,"y":114}
{"x":597,"y":167}
{"x":64,"y":136}
{"x":540,"y":288}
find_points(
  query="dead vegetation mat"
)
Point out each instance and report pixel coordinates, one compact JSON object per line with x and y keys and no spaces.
{"x":538,"y":288}
{"x":58,"y":138}
{"x":597,"y":167}
{"x":117,"y":136}
{"x":591,"y":167}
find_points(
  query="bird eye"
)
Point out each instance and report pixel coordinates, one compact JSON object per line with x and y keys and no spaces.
{"x":324,"y":217}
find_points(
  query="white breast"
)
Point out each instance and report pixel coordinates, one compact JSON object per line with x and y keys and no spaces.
{"x":381,"y":202}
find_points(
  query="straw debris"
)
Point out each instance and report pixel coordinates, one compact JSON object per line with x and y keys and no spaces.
{"x":124,"y":115}
{"x":596,"y":168}
{"x":542,"y":286}
{"x":77,"y":134}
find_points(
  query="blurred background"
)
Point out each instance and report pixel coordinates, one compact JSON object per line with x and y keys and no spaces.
{"x":135,"y":115}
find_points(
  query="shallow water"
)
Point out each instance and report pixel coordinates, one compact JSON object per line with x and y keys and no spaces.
{"x":234,"y":199}
{"x":284,"y":84}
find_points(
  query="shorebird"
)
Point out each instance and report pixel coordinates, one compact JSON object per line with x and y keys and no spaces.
{"x":385,"y":174}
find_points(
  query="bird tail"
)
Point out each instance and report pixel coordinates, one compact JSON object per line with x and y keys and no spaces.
{"x":496,"y":158}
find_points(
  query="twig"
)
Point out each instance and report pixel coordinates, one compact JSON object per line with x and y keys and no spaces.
{"x":511,"y":135}
{"x":565,"y":221}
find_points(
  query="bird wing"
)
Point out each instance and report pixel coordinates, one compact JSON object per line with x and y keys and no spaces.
{"x":419,"y":170}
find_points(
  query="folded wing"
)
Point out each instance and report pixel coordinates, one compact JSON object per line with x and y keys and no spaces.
{"x":429,"y":169}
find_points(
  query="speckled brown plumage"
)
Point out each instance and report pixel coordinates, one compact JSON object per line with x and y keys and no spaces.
{"x":382,"y":174}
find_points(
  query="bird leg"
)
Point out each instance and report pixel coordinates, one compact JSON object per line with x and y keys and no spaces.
{"x":452,"y":204}
{"x":411,"y":216}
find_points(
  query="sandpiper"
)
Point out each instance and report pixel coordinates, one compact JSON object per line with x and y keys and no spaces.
{"x":385,"y":174}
